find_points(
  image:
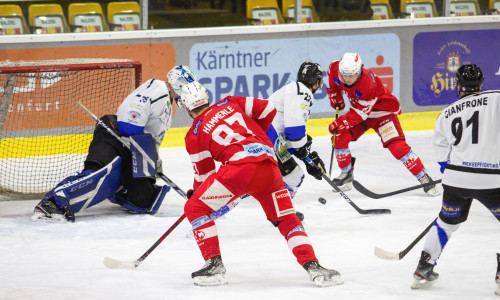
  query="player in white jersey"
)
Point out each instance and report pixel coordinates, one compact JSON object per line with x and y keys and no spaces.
{"x":112,"y":171}
{"x":288,"y":129}
{"x":467,"y":146}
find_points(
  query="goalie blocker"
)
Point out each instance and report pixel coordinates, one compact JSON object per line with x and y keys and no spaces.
{"x":125,"y":177}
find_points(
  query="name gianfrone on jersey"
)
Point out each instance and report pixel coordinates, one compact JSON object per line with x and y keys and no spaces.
{"x":458,"y":107}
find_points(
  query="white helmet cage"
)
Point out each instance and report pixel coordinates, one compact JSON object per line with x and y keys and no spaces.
{"x":193,"y":95}
{"x":180,"y":76}
{"x":350,"y":64}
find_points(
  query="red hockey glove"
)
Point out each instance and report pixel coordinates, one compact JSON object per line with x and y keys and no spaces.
{"x":336,"y":98}
{"x":339,"y":125}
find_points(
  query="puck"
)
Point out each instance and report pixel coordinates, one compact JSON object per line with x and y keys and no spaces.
{"x":322,"y":200}
{"x":300,"y":216}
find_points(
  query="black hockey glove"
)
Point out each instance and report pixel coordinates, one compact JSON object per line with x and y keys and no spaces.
{"x":302,"y":152}
{"x":319,"y":167}
{"x":189,"y":193}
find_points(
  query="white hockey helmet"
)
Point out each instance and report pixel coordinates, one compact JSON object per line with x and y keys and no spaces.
{"x":350,"y":64}
{"x":193,"y":95}
{"x":180,"y":76}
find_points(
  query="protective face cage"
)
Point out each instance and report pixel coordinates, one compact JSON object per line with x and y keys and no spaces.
{"x":469,"y":78}
{"x":178,"y":77}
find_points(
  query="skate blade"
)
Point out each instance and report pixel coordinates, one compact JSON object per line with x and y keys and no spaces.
{"x":421,"y":284}
{"x":320,"y":281}
{"x":40,"y":216}
{"x":497,"y":290}
{"x":207,"y":281}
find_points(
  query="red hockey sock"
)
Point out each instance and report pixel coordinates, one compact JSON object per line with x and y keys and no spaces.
{"x":207,"y":240}
{"x":343,"y":157}
{"x":402,"y":151}
{"x":298,"y":241}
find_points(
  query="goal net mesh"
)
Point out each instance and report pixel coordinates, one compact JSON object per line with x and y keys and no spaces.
{"x":44,"y":134}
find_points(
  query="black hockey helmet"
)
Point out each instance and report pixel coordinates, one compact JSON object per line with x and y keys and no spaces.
{"x":469,"y":78}
{"x":310,"y":73}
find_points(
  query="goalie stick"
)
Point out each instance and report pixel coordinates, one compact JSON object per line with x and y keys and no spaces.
{"x":346,"y":198}
{"x":360,"y":188}
{"x":388,"y":255}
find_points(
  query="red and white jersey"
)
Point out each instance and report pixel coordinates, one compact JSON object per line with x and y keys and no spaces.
{"x":369,"y":98}
{"x":232,"y":131}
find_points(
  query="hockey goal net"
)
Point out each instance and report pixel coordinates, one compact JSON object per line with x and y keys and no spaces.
{"x":44,"y":135}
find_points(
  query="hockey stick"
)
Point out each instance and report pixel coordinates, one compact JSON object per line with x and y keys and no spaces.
{"x":388,"y":255}
{"x":346,"y":198}
{"x":333,"y":141}
{"x":118,"y":264}
{"x":358,"y":186}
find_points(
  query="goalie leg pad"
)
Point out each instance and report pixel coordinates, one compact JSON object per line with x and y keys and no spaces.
{"x":160,"y":194}
{"x":144,"y":156}
{"x":88,"y":190}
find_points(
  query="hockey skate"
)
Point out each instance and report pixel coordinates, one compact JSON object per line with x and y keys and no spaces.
{"x":497,"y":278}
{"x":344,"y":180}
{"x":213,"y":273}
{"x":497,"y":281}
{"x":424,"y":274}
{"x":322,"y":277}
{"x":429,"y":189}
{"x":47,"y":210}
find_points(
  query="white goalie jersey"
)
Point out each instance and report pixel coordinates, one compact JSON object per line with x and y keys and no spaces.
{"x":467,"y":137}
{"x":148,"y":109}
{"x":293,"y":104}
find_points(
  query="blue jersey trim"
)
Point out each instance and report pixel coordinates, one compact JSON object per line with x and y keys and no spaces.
{"x":272,"y":134}
{"x":295,"y":133}
{"x":129,"y":129}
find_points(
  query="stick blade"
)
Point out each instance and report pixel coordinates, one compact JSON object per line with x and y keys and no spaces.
{"x":381,"y":211}
{"x":384,"y":254}
{"x":118,"y":264}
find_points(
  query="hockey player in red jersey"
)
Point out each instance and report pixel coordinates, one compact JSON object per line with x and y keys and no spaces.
{"x":372,"y":106}
{"x":232,"y":132}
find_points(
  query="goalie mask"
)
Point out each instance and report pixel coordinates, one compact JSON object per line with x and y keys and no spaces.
{"x":469,"y":78}
{"x":350,"y":64}
{"x":180,"y":76}
{"x":309,"y":73}
{"x":193,"y":95}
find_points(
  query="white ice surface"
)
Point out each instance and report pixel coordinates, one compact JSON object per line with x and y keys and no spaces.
{"x":65,"y":260}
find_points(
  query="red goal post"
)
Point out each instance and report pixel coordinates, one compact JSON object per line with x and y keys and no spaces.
{"x":44,"y":135}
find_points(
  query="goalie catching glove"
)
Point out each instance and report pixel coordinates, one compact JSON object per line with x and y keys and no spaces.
{"x":319,"y":167}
